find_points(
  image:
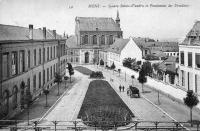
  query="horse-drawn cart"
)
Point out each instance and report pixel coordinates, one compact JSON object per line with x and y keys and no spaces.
{"x":133,"y":92}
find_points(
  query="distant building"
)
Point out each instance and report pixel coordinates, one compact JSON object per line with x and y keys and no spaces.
{"x":157,"y":48}
{"x":29,"y":59}
{"x":92,"y":34}
{"x":189,"y":60}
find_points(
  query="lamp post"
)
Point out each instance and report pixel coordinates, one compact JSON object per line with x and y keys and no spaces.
{"x":125,"y":76}
{"x":66,"y":78}
{"x":55,"y":123}
{"x":28,"y":98}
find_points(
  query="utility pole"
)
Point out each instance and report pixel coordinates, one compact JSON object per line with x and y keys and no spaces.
{"x":158,"y":97}
{"x":125,"y":76}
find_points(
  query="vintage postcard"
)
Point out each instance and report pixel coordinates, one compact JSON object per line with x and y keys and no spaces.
{"x":99,"y":65}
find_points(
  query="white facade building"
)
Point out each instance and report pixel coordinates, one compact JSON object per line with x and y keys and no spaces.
{"x":189,"y":63}
{"x":121,"y":49}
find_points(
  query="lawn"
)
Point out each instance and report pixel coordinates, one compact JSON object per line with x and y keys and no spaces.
{"x":83,"y":70}
{"x":103,"y":107}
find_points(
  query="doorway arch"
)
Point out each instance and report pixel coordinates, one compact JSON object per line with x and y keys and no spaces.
{"x":22,"y":94}
{"x":6,"y":102}
{"x":87,"y":57}
{"x":14,"y":98}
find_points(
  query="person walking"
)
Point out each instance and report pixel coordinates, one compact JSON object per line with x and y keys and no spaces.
{"x":123,"y":88}
{"x":120,"y":87}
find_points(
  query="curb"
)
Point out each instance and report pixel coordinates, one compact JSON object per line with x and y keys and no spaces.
{"x":53,"y":106}
{"x":163,"y":111}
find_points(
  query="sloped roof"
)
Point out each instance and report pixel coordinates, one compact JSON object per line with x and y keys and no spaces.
{"x":168,"y":65}
{"x":194,"y":32}
{"x":10,"y":32}
{"x":171,"y":59}
{"x":118,"y":45}
{"x":71,"y":42}
{"x":159,"y":46}
{"x":158,"y":53}
{"x":97,"y":23}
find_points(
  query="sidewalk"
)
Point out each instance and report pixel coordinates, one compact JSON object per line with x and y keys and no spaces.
{"x":38,"y":109}
{"x":69,"y":106}
{"x":175,"y":92}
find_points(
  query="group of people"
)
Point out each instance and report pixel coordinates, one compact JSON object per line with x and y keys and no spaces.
{"x":121,"y":88}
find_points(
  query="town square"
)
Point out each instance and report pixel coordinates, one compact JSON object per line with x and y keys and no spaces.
{"x":98,"y":65}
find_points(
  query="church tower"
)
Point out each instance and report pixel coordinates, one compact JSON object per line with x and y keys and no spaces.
{"x":117,"y":19}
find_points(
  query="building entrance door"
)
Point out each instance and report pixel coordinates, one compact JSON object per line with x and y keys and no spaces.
{"x":87,"y":57}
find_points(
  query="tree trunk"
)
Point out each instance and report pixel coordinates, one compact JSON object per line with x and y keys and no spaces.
{"x":58,"y":89}
{"x":65,"y":83}
{"x":132,"y":81}
{"x":28,"y":113}
{"x":70,"y":79}
{"x":142,"y":89}
{"x":191,"y":116}
{"x":46,"y":100}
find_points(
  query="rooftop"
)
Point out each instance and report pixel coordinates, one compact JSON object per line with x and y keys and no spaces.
{"x":71,"y":42}
{"x":157,"y":45}
{"x":193,"y":36}
{"x":10,"y":32}
{"x":96,"y":24}
{"x":118,"y":45}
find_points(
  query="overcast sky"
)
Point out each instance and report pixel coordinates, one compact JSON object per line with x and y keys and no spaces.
{"x":155,"y":22}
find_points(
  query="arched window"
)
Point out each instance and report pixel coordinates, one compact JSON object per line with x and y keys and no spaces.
{"x":110,"y":39}
{"x":94,"y":40}
{"x":22,"y":94}
{"x":85,"y":40}
{"x":6,"y":102}
{"x":102,"y":40}
{"x":14,"y":98}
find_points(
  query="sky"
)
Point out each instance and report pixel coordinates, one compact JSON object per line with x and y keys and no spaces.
{"x":153,"y":20}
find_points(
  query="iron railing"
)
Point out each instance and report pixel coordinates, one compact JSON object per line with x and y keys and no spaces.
{"x":21,"y":125}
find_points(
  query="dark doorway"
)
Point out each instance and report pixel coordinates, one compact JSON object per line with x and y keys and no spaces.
{"x":6,"y":102}
{"x":22,"y":94}
{"x":87,"y":57}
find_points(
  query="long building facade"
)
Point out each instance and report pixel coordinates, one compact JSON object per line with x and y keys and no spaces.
{"x":92,"y":34}
{"x":189,"y":62}
{"x":29,"y":59}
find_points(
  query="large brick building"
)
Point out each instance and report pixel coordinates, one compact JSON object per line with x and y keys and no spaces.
{"x":92,"y":34}
{"x":29,"y":59}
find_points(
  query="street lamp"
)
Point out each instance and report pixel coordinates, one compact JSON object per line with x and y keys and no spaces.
{"x":66,"y":78}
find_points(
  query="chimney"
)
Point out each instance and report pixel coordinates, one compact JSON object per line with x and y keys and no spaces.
{"x":44,"y":33}
{"x":54,"y":34}
{"x":30,"y":32}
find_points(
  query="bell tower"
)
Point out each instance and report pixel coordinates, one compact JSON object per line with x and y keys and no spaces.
{"x":117,"y":19}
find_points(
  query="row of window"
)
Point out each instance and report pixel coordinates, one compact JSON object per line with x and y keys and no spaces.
{"x":72,"y":52}
{"x":172,"y":54}
{"x":102,"y":39}
{"x":74,"y":59}
{"x":190,"y":60}
{"x":18,"y":64}
{"x":50,"y":72}
{"x":189,"y":77}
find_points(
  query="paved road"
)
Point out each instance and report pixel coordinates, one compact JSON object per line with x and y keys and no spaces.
{"x":68,"y":107}
{"x":142,"y":109}
{"x":176,"y":110}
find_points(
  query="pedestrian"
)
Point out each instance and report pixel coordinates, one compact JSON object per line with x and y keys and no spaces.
{"x":123,"y":88}
{"x":120,"y":87}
